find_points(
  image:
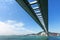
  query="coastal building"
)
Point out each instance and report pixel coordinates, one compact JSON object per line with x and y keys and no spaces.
{"x":58,"y":34}
{"x":54,"y":34}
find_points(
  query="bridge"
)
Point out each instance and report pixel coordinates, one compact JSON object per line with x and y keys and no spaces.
{"x":38,"y":10}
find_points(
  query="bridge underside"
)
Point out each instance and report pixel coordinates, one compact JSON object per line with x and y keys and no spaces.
{"x":42,"y":19}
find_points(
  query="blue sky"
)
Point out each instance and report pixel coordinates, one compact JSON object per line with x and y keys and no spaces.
{"x":54,"y":15}
{"x":15,"y":21}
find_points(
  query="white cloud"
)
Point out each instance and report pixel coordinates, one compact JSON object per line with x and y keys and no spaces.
{"x":11,"y":27}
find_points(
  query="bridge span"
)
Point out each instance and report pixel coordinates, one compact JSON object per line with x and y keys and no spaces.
{"x":38,"y":10}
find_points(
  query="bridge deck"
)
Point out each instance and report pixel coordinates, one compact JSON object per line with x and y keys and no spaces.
{"x":39,"y":13}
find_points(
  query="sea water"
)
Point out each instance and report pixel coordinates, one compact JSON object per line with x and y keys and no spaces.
{"x":23,"y":38}
{"x":29,"y":38}
{"x":54,"y":38}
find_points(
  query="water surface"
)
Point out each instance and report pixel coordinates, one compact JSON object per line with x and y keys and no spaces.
{"x":54,"y":38}
{"x":23,"y":38}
